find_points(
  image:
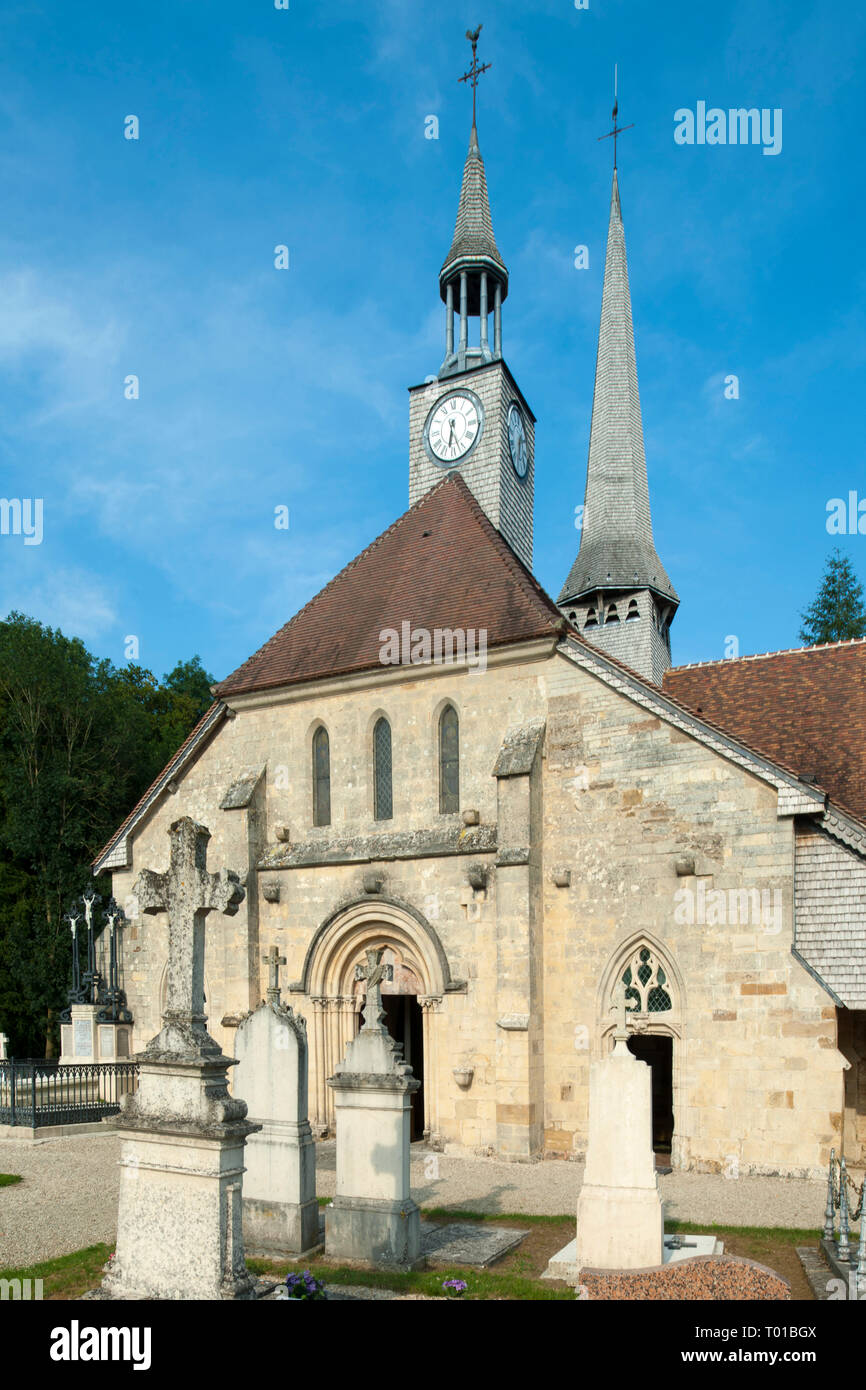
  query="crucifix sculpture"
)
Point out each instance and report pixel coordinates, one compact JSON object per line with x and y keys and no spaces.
{"x":187,"y":892}
{"x":273,"y":960}
{"x":374,"y":972}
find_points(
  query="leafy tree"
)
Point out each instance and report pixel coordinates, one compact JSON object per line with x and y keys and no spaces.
{"x":837,"y":612}
{"x":80,"y":740}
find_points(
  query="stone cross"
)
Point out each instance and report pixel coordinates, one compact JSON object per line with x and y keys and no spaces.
{"x":620,"y":1008}
{"x":274,"y":960}
{"x":374,"y":973}
{"x":187,"y":893}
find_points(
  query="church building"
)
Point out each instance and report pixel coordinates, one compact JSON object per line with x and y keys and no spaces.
{"x":526,"y":805}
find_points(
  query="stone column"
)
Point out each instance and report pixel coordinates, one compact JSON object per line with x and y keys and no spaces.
{"x":484,"y":345}
{"x":464,"y":316}
{"x":320,"y":1005}
{"x":430,"y":1007}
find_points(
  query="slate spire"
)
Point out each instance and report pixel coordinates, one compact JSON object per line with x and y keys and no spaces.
{"x":617,"y":554}
{"x":474,"y":245}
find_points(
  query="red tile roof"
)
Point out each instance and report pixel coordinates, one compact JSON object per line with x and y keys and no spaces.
{"x":804,"y":708}
{"x":441,"y":565}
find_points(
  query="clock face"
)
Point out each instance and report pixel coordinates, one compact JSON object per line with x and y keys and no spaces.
{"x":517,"y":441}
{"x":454,"y":427}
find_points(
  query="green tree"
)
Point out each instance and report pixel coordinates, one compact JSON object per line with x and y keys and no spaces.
{"x":80,"y":740}
{"x":837,"y":612}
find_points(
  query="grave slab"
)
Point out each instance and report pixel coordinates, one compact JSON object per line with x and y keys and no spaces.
{"x":460,"y":1243}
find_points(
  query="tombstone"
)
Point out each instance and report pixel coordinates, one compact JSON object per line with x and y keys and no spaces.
{"x":373,"y":1217}
{"x":280,"y":1211}
{"x":619,"y":1210}
{"x":179,"y":1225}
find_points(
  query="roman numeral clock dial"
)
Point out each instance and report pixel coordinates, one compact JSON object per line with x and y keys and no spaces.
{"x":453,"y":428}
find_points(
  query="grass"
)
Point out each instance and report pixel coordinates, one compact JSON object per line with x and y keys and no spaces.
{"x":69,"y":1276}
{"x":9,"y":1179}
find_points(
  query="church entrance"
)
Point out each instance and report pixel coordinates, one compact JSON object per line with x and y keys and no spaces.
{"x":405,"y":1023}
{"x":404,"y":1020}
{"x":658,"y":1052}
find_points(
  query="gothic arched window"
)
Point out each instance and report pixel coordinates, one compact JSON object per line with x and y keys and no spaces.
{"x":321,"y":777}
{"x":383,"y":802}
{"x":449,"y":760}
{"x":645,"y":982}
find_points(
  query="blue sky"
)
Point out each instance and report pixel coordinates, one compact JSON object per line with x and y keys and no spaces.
{"x":261,"y":388}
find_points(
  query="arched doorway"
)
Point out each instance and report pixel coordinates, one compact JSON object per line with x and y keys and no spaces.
{"x":411,"y":1001}
{"x":404,"y":1019}
{"x":655,"y":1000}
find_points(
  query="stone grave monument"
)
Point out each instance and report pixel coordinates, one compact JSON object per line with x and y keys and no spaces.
{"x":620,"y":1223}
{"x":373,"y":1217}
{"x":281,"y":1214}
{"x":179,"y":1225}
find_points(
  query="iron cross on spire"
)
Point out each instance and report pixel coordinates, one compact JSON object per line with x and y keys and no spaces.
{"x":617,"y":130}
{"x":476,"y":70}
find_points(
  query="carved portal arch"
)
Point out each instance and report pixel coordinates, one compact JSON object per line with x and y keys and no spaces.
{"x":412,"y":946}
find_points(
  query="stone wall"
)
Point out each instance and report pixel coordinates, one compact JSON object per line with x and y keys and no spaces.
{"x":616,"y":797}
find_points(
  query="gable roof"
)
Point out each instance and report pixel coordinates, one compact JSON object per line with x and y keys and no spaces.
{"x":440,"y":565}
{"x":804,"y":708}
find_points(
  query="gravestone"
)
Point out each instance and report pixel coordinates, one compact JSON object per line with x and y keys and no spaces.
{"x":179,"y":1226}
{"x":619,"y":1209}
{"x":373,"y":1217}
{"x":281,"y":1214}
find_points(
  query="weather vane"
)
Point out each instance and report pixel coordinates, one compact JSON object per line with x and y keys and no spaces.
{"x":476,"y":70}
{"x":617,"y":130}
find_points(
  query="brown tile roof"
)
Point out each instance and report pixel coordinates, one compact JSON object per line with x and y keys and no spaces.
{"x":804,"y":708}
{"x":441,"y":565}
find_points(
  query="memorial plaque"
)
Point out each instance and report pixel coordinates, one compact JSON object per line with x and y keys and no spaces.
{"x":83,"y":1037}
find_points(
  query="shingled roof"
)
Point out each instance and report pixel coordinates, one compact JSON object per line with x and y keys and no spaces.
{"x":441,"y":565}
{"x":474,"y":245}
{"x":805,"y":708}
{"x":617,"y":550}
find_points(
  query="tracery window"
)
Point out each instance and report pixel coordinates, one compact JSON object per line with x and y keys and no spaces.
{"x":645,"y":982}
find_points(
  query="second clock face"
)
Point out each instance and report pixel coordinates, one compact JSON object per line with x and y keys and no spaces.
{"x":517,"y":441}
{"x":453,"y":427}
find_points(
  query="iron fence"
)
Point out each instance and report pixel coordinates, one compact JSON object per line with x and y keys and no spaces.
{"x":845,"y":1202}
{"x":37,"y":1094}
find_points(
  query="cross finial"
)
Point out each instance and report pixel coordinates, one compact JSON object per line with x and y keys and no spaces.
{"x":620,"y":1032}
{"x":617,"y":130}
{"x":374,"y":973}
{"x":476,"y":69}
{"x":273,"y":960}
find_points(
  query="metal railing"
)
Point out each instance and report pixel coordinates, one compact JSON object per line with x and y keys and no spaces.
{"x":36,"y":1094}
{"x":845,"y":1198}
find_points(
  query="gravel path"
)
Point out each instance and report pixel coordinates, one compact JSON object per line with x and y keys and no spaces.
{"x":68,"y":1198}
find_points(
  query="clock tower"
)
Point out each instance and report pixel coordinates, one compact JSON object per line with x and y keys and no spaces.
{"x":472,"y":415}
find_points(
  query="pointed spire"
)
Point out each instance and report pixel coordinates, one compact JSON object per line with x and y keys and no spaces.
{"x":474,"y":245}
{"x":617,"y":550}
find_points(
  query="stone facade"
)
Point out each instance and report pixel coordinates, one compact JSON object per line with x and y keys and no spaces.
{"x":600,"y":808}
